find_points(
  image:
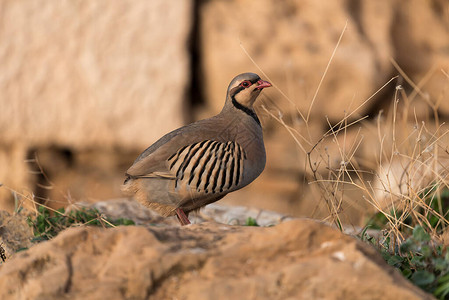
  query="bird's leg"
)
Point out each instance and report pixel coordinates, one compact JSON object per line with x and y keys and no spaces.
{"x":182,"y":218}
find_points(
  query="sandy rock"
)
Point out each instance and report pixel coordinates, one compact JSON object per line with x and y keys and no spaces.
{"x":13,"y":173}
{"x":238,"y":215}
{"x":128,"y":209}
{"x":89,"y":175}
{"x":402,"y":178}
{"x":89,"y":74}
{"x":83,"y":74}
{"x":218,"y":212}
{"x":408,"y":163}
{"x":411,"y":40}
{"x":292,"y":42}
{"x":300,"y":259}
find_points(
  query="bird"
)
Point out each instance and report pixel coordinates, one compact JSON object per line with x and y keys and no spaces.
{"x":201,"y":162}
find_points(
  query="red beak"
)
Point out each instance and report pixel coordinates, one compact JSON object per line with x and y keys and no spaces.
{"x":262,"y":84}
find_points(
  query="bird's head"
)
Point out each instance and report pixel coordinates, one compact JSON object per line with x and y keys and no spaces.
{"x":245,"y":88}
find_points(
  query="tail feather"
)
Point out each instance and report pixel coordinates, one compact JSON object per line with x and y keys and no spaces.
{"x":153,"y":193}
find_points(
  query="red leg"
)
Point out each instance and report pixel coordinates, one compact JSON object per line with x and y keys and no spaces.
{"x":182,"y":218}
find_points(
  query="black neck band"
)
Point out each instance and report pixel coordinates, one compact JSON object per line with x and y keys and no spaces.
{"x":245,"y":109}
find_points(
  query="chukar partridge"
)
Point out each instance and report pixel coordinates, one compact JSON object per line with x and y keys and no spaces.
{"x":202,"y":162}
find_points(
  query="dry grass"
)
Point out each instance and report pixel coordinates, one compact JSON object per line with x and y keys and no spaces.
{"x":33,"y":206}
{"x":408,"y":173}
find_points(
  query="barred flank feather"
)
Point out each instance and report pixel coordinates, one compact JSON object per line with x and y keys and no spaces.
{"x":208,"y":166}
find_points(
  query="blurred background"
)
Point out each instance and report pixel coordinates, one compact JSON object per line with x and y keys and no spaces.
{"x":85,"y":86}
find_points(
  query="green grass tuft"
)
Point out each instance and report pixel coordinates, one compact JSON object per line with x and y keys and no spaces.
{"x":251,"y":222}
{"x":46,"y":225}
{"x":418,"y":258}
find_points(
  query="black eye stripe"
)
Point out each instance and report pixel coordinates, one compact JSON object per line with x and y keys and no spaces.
{"x":247,"y":83}
{"x":234,"y":91}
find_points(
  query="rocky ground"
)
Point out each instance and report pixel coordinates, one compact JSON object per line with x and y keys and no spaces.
{"x":295,"y":259}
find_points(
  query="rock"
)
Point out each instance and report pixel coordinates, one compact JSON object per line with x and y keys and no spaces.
{"x":226,"y":214}
{"x":402,"y":178}
{"x":292,"y":43}
{"x":128,"y":209}
{"x":89,"y":75}
{"x":83,"y":175}
{"x":82,"y":75}
{"x":412,"y":162}
{"x":411,"y":39}
{"x":300,"y":259}
{"x":14,"y":174}
{"x":102,"y":62}
{"x":238,"y":215}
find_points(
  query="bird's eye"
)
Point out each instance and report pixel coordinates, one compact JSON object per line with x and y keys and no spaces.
{"x":245,"y":83}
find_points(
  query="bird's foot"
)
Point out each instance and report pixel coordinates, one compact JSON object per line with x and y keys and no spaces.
{"x":182,"y":218}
